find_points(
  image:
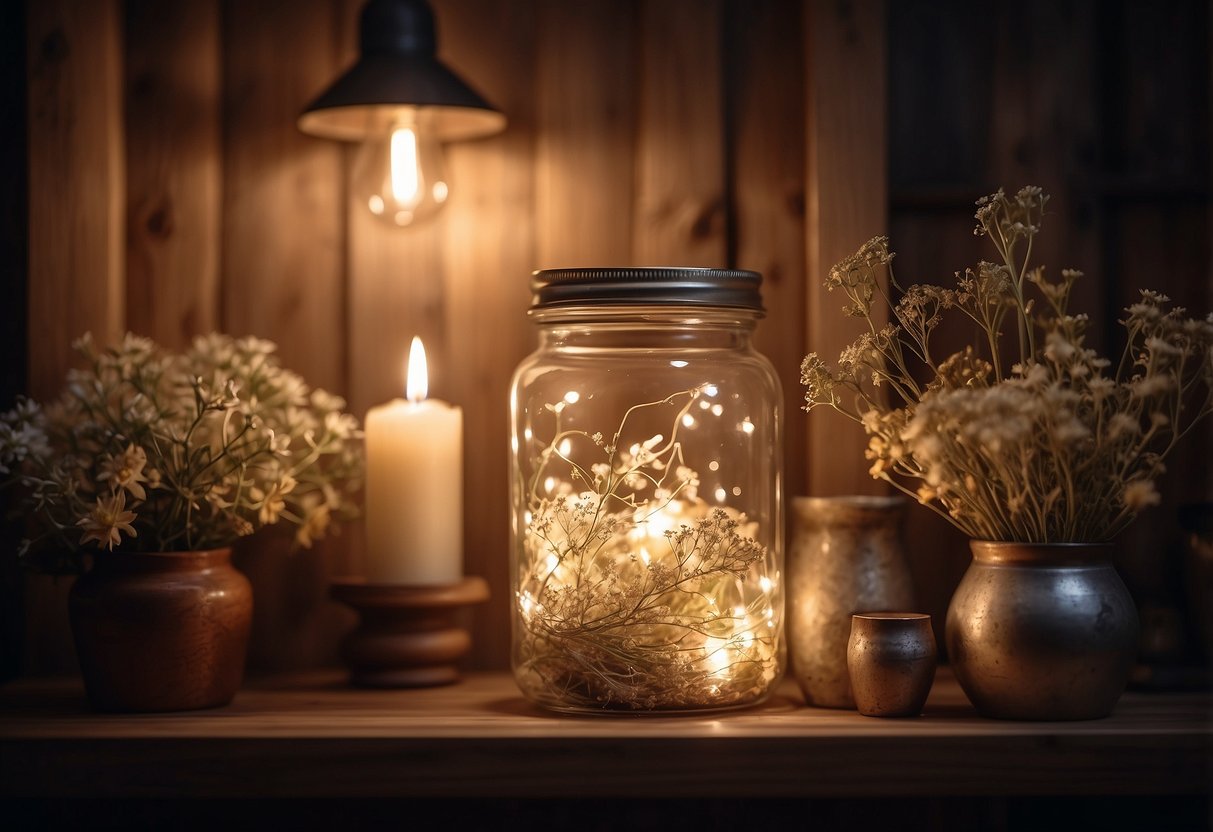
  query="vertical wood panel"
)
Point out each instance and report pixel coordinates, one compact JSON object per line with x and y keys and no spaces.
{"x":1163,"y":248}
{"x":283,"y":255}
{"x":846,"y":202}
{"x":75,"y":230}
{"x":490,"y":251}
{"x":585,"y":132}
{"x":1043,"y":133}
{"x":395,"y":281}
{"x":76,"y":182}
{"x":284,"y":276}
{"x":767,"y":140}
{"x":173,"y":168}
{"x":680,"y":217}
{"x":1157,"y":209}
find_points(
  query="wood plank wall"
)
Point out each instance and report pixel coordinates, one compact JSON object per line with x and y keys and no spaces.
{"x":1105,"y":104}
{"x":693,"y":132}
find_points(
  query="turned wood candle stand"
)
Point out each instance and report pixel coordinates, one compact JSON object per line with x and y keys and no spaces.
{"x":407,"y":636}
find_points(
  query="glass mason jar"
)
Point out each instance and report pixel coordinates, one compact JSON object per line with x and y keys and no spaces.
{"x":647,"y":548}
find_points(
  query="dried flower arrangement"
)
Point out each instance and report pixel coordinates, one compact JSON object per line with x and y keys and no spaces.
{"x":634,"y":594}
{"x":1047,"y":447}
{"x":148,"y":450}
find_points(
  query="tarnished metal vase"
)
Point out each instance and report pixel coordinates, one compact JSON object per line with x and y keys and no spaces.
{"x":891,"y":657}
{"x":1042,"y":631}
{"x":847,"y":556}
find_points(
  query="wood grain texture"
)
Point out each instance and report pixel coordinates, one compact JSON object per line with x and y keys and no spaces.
{"x":846,"y":205}
{"x":283,"y":238}
{"x":283,"y":255}
{"x":395,"y":278}
{"x":585,"y":123}
{"x":1043,"y":123}
{"x":481,"y":739}
{"x":679,"y":217}
{"x":76,"y":185}
{"x":765,"y":120}
{"x":75,"y":182}
{"x":489,"y":249}
{"x":1094,"y":102}
{"x":1163,"y":247}
{"x":173,"y":169}
{"x":1156,"y":206}
{"x":595,"y":92}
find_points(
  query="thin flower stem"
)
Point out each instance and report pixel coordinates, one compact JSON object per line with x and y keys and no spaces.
{"x":1048,"y":449}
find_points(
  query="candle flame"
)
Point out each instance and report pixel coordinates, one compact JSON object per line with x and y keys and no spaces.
{"x":417,"y":378}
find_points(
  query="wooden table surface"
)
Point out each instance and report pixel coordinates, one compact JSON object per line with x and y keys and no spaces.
{"x":311,"y":736}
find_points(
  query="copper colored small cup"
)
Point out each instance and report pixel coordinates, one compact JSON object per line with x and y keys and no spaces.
{"x":891,"y":658}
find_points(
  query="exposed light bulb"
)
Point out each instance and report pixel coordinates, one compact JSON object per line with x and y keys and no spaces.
{"x":399,"y":174}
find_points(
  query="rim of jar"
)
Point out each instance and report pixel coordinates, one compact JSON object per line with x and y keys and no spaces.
{"x":675,"y":286}
{"x":687,"y":314}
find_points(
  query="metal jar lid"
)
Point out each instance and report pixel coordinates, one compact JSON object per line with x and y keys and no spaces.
{"x":649,"y":286}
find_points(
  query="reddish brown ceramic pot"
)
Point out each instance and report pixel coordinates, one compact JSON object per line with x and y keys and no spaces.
{"x":161,"y":631}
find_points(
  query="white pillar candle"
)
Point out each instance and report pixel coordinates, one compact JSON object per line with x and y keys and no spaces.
{"x":414,"y":486}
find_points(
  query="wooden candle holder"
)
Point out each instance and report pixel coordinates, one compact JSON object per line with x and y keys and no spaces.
{"x":407,"y":636}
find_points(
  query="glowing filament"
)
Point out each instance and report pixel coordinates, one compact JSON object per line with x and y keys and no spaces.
{"x":405,"y":183}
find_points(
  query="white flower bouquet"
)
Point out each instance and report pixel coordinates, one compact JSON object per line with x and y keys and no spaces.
{"x":148,"y":450}
{"x":1028,"y":436}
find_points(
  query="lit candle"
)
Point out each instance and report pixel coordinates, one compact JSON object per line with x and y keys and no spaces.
{"x":414,"y":485}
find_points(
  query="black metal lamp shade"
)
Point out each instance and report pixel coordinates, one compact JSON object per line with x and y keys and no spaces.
{"x":398,"y":71}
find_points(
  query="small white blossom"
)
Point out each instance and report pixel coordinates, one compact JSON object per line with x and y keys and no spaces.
{"x":1023,"y":434}
{"x":107,"y":521}
{"x":181,"y":449}
{"x":125,"y":471}
{"x":1139,"y":494}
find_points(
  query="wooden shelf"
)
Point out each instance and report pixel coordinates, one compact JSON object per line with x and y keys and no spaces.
{"x":311,"y":736}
